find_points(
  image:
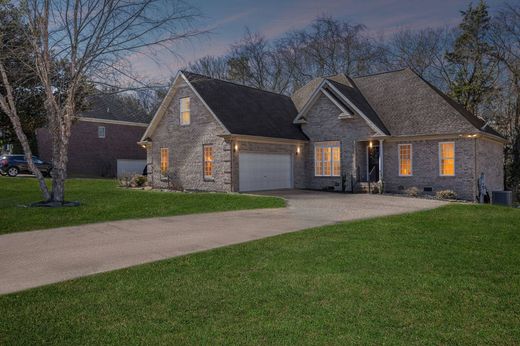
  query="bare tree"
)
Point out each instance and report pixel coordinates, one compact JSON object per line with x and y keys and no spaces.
{"x":423,"y":51}
{"x":215,"y":67}
{"x":95,"y":39}
{"x":254,"y":62}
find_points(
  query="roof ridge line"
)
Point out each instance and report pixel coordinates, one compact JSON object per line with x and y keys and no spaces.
{"x":379,"y":73}
{"x":235,"y":83}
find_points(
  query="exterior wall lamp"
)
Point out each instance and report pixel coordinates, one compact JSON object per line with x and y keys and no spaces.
{"x":370,"y":145}
{"x":298,"y":150}
{"x":236,"y":147}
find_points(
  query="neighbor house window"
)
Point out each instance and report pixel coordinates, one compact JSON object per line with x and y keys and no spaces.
{"x":327,"y":157}
{"x":405,"y":160}
{"x":101,"y":132}
{"x":185,"y":111}
{"x":208,"y":161}
{"x":447,"y":158}
{"x":165,"y":160}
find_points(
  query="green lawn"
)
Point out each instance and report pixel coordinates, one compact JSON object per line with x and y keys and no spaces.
{"x":446,"y":276}
{"x":102,"y":200}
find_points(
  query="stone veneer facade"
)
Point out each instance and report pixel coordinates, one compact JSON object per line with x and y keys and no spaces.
{"x":185,"y":144}
{"x":323,"y":125}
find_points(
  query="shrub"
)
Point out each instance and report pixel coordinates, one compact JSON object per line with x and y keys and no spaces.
{"x":124,"y":180}
{"x":129,"y":180}
{"x":138,"y":181}
{"x":412,"y":191}
{"x":446,"y":194}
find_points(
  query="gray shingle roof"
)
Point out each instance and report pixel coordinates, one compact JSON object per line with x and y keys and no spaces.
{"x":400,"y":103}
{"x":248,"y":111}
{"x":113,"y":107}
{"x":352,"y":93}
{"x":408,"y":105}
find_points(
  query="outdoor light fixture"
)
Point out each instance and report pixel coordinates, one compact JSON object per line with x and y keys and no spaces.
{"x":370,"y":144}
{"x":297,"y":150}
{"x":236,"y":147}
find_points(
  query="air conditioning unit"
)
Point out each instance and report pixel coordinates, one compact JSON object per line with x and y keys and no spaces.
{"x":502,"y":198}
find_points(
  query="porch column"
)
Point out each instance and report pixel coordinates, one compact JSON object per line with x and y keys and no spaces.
{"x":381,"y":152}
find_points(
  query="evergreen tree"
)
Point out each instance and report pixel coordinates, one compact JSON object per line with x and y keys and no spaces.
{"x":470,"y":60}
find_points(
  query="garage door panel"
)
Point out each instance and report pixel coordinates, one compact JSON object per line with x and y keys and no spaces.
{"x":263,"y":171}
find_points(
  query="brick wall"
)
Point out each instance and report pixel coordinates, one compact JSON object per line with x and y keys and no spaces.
{"x":91,"y":156}
{"x":323,"y":125}
{"x":185,"y":146}
{"x":491,"y":162}
{"x":425,"y":167}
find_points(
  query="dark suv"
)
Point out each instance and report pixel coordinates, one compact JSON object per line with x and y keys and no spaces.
{"x":12,"y":165}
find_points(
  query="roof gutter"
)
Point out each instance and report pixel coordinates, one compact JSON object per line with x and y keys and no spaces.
{"x":478,"y":134}
{"x":262,"y":139}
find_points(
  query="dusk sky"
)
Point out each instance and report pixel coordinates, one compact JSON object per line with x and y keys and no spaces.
{"x":228,"y":19}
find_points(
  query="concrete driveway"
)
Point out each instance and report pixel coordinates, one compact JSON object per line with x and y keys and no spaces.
{"x":36,"y":258}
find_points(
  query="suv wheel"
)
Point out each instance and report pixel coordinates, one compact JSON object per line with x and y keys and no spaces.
{"x":12,"y":171}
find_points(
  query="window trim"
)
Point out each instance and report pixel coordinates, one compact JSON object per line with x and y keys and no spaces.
{"x":167,"y":150}
{"x":331,"y":144}
{"x":440,"y":159}
{"x":104,"y":132}
{"x":207,"y":177}
{"x":399,"y":159}
{"x":181,"y":111}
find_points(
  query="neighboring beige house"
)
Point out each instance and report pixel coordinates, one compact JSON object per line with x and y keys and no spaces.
{"x":335,"y":133}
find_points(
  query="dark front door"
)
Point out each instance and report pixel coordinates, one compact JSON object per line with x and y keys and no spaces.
{"x":373,"y":163}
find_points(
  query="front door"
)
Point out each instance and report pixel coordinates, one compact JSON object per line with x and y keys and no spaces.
{"x":373,"y":163}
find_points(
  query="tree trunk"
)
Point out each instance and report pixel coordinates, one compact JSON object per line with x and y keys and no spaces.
{"x":61,"y":147}
{"x":7,"y":105}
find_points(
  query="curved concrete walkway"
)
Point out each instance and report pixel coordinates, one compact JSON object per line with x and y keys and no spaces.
{"x":31,"y":259}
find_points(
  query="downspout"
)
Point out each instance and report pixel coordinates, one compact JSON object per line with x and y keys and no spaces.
{"x":381,"y":168}
{"x":475,"y":182}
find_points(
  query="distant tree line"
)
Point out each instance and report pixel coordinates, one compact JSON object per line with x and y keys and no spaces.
{"x":477,"y":63}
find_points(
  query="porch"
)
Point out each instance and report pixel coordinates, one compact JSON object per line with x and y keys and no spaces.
{"x":368,"y":165}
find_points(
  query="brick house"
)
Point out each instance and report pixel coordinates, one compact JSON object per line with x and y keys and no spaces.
{"x":108,"y":131}
{"x":335,"y":133}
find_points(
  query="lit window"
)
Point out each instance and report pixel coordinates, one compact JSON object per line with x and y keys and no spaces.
{"x":165,"y":162}
{"x":405,"y":160}
{"x":327,"y":159}
{"x":185,"y":111}
{"x":208,"y":161}
{"x":101,"y":132}
{"x":447,"y":158}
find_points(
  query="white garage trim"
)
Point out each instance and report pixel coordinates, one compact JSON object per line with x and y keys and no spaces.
{"x":265,"y":171}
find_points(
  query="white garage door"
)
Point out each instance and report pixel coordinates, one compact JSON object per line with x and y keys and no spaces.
{"x":130,"y":167}
{"x":264,"y":171}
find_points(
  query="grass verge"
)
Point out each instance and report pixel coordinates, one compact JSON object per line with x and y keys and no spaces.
{"x":444,"y":276}
{"x":101,"y":200}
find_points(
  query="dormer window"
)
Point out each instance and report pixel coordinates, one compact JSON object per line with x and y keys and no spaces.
{"x":185,"y":111}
